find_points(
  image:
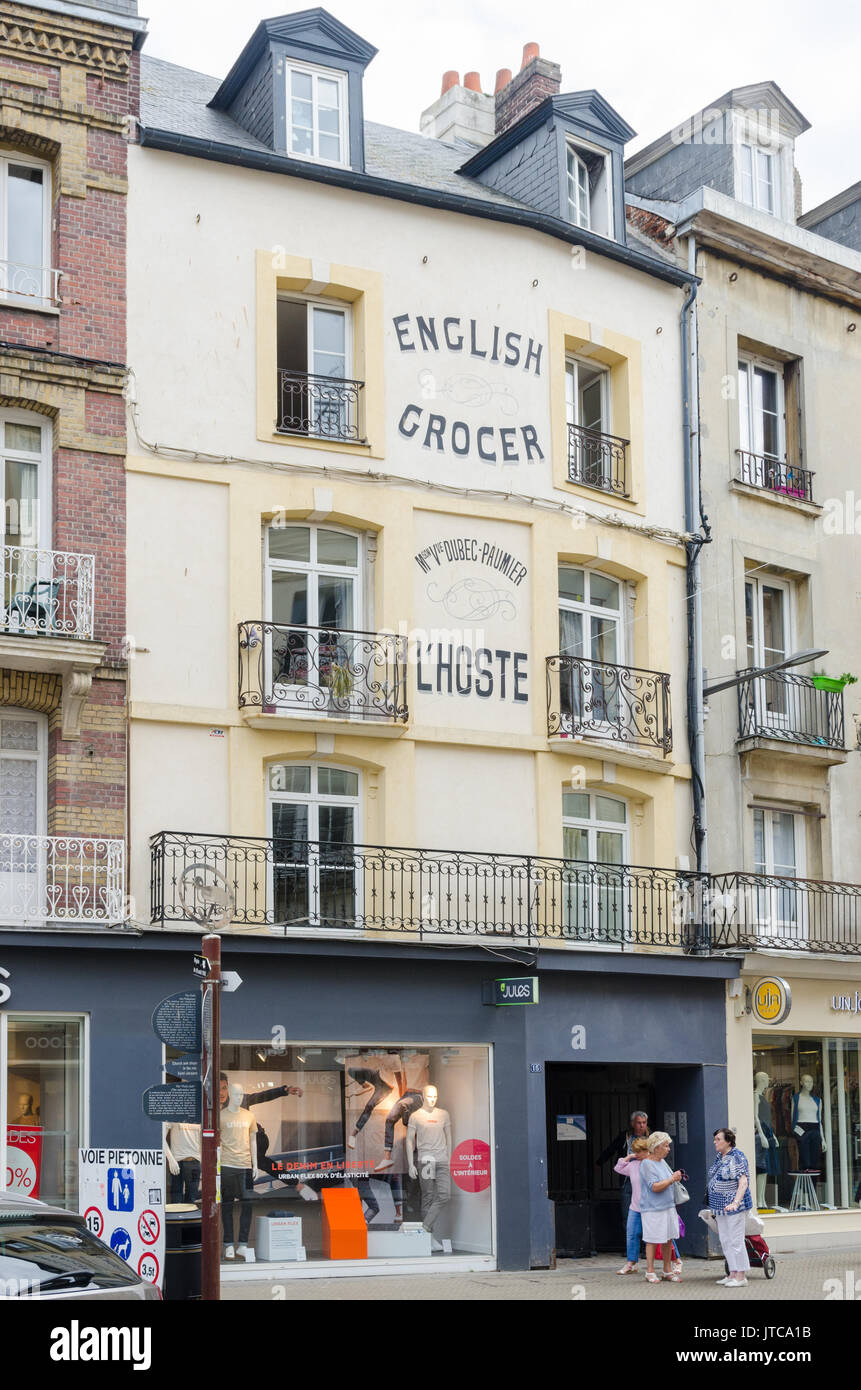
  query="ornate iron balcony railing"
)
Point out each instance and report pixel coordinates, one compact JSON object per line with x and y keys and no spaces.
{"x":775,"y":475}
{"x":67,"y":879}
{"x":598,"y":460}
{"x":47,"y":592}
{"x":596,"y":699}
{"x":35,"y":282}
{"x":342,"y":673}
{"x":322,"y":407}
{"x":788,"y":707}
{"x":775,"y":912}
{"x":279,"y":886}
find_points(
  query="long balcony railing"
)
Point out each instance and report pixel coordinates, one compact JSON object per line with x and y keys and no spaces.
{"x":47,"y":593}
{"x":321,"y":407}
{"x":773,"y":474}
{"x":279,"y":886}
{"x":61,"y":879}
{"x":312,"y":670}
{"x":596,"y":699}
{"x":789,"y":707}
{"x":774,"y":912}
{"x":598,"y":460}
{"x":39,"y":283}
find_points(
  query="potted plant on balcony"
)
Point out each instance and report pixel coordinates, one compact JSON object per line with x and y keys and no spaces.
{"x":340,"y":686}
{"x":833,"y":683}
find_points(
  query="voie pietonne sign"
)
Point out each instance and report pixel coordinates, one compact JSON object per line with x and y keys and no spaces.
{"x":121,"y":1197}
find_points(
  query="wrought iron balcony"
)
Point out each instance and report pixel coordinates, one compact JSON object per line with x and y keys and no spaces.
{"x":313,"y":670}
{"x":64,"y":879}
{"x":772,"y":474}
{"x":595,"y":699}
{"x":281,"y":886}
{"x":598,"y":460}
{"x":39,"y":284}
{"x":774,"y":912}
{"x":788,"y":707}
{"x":320,"y":407}
{"x":47,"y":593}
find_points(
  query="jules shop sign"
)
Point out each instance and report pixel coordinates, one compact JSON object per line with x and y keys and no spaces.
{"x":469,"y":389}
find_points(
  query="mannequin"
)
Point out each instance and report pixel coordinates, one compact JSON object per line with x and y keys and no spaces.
{"x":27,"y":1114}
{"x":381,"y":1084}
{"x":807,"y":1124}
{"x":182,"y":1151}
{"x":766,"y":1144}
{"x":429,"y":1157}
{"x":238,"y":1169}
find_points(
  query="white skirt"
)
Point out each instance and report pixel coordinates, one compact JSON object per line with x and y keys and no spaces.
{"x":659,"y":1226}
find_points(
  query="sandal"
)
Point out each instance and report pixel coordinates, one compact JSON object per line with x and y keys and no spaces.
{"x":627,"y":1268}
{"x":672,"y":1278}
{"x":652,"y":1278}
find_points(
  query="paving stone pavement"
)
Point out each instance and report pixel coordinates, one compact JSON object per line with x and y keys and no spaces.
{"x":798,"y":1276}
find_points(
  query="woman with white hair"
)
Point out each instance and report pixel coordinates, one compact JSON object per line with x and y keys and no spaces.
{"x":658,"y":1206}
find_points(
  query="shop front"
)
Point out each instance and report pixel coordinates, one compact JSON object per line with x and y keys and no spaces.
{"x":794,"y":1052}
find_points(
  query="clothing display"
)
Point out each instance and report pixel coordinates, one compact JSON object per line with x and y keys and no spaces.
{"x":806,"y":1109}
{"x":235,"y":1187}
{"x":237,"y":1127}
{"x":809,"y":1146}
{"x":184,"y":1141}
{"x":366,"y":1076}
{"x":407,"y":1105}
{"x":184,"y":1186}
{"x":432,"y":1134}
{"x":766,"y":1156}
{"x":436,"y":1194}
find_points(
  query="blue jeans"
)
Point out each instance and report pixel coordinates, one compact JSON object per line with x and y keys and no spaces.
{"x":634,"y":1235}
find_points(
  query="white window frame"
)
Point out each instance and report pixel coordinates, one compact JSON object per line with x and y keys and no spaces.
{"x":44,"y":462}
{"x":770,"y":901}
{"x":590,"y":610}
{"x":573,"y":390}
{"x":84,"y":1089}
{"x":313,"y":799}
{"x":751,"y":363}
{"x":332,"y":306}
{"x":765,"y":717}
{"x":750,"y":153}
{"x":593,"y":826}
{"x":45,"y":296}
{"x":330,"y":75}
{"x":576,"y":147}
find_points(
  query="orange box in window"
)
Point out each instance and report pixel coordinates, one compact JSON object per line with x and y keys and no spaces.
{"x":345,"y":1235}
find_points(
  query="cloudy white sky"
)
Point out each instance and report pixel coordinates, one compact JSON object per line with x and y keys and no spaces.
{"x":655,"y":65}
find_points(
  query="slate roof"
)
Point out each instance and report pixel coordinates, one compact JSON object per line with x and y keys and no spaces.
{"x":175,"y":99}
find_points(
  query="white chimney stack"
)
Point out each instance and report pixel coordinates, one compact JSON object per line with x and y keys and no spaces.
{"x":461,"y":111}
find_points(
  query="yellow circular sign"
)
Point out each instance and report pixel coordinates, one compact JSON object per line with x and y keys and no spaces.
{"x":771,"y":999}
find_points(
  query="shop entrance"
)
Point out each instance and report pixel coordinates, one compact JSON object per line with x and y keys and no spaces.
{"x":587,"y":1108}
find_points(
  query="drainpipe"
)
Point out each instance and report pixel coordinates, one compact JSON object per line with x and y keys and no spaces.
{"x":696,"y":524}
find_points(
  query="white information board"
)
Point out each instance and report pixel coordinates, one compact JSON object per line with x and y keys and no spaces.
{"x":122,"y":1201}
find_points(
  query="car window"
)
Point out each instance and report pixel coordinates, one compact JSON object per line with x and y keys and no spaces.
{"x":62,"y":1252}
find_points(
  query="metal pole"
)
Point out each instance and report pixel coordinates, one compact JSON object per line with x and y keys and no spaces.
{"x":210,"y":1146}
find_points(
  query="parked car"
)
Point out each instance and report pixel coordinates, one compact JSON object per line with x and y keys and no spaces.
{"x":46,"y":1252}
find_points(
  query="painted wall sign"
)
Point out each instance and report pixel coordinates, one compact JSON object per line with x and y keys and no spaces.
{"x":771,"y":999}
{"x":846,"y":1003}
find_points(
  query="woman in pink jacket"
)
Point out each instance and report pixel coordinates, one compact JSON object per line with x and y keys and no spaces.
{"x":630,"y":1168}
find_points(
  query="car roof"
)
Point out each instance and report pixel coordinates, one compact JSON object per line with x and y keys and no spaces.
{"x":12,"y":1204}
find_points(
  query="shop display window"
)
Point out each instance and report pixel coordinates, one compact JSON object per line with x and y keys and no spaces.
{"x":807,"y":1122}
{"x":361,"y":1152}
{"x":44,"y":1106}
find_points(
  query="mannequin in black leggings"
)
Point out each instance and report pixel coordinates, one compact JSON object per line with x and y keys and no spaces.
{"x":368,"y":1076}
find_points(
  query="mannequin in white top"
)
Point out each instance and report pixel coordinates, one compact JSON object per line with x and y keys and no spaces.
{"x":182,"y":1151}
{"x":807,"y":1124}
{"x":239,"y":1169}
{"x":429,"y":1156}
{"x":765,"y":1136}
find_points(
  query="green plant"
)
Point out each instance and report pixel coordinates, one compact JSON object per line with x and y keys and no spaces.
{"x":847,"y":679}
{"x":340,"y":680}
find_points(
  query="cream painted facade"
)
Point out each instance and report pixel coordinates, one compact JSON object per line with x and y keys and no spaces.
{"x":211,"y":249}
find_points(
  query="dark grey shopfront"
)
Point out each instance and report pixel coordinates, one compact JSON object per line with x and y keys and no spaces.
{"x":609,"y":1032}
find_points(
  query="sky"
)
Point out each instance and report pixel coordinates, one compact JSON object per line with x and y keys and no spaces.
{"x":655,"y":64}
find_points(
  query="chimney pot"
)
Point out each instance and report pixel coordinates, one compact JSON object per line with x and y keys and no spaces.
{"x":449,"y":79}
{"x":530,"y":51}
{"x":503,"y":77}
{"x":472,"y":81}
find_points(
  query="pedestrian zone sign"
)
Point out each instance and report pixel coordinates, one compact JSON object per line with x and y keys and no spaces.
{"x":121,"y":1195}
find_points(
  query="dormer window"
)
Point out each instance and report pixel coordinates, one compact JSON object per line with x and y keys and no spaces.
{"x":317,"y":114}
{"x":589,"y":188}
{"x":578,"y":189}
{"x":758,"y":178}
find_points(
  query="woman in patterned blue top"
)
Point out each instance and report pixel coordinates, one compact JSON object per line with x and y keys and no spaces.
{"x":730,"y":1201}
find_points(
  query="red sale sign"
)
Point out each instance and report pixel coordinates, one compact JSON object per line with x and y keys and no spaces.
{"x":470,"y":1165}
{"x":23,"y":1159}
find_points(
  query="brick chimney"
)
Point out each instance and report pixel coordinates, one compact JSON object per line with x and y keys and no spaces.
{"x":462,"y":111}
{"x":536,"y":80}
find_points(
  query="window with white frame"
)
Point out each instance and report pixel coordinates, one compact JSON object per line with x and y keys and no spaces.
{"x":778,"y":852}
{"x":589,"y":187}
{"x":317,"y":116}
{"x":314,"y":814}
{"x":31,"y":597}
{"x":759,"y":175}
{"x":25,"y":201}
{"x":761,"y":408}
{"x":317,"y":395}
{"x":768,"y":631}
{"x":23,"y":783}
{"x":591,"y":636}
{"x":594,"y":833}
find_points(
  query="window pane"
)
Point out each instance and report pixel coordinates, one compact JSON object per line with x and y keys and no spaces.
{"x":24,"y":438}
{"x":744,"y":416}
{"x":18,"y":800}
{"x":604,"y":645}
{"x":20,"y":734}
{"x":302,"y":140}
{"x":575,"y":843}
{"x":43,"y":1092}
{"x":571,"y":585}
{"x":609,"y":848}
{"x":336,"y":825}
{"x":773,"y":625}
{"x":289,"y":823}
{"x":759,"y":865}
{"x":334,"y":548}
{"x":329,"y":331}
{"x":590,"y":406}
{"x":575,"y":805}
{"x":747,"y":174}
{"x":284,"y":777}
{"x":21,"y":504}
{"x":25,"y":216}
{"x":603,"y":593}
{"x":335,"y":781}
{"x":290,"y":543}
{"x":609,"y":809}
{"x":329,"y":147}
{"x":328,"y":120}
{"x":750,"y":627}
{"x":765,"y":189}
{"x":570,"y":633}
{"x":328,"y":93}
{"x":301,"y":85}
{"x":289,"y":598}
{"x":783,"y":840}
{"x":335,"y":608}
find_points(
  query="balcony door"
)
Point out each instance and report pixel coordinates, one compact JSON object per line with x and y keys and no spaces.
{"x":768,"y":621}
{"x":761,"y":421}
{"x":314,"y":823}
{"x":778,"y":853}
{"x":587,"y":408}
{"x":591,"y":637}
{"x":314,"y":363}
{"x":595,"y":897}
{"x":23,"y":850}
{"x":29,"y":601}
{"x":314,"y":601}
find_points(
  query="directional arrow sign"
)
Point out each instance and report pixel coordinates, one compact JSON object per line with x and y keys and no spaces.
{"x":185,"y":1068}
{"x":176,"y":1021}
{"x":180,"y":1104}
{"x":230,"y":980}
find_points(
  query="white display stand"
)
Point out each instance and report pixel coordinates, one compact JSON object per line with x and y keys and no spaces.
{"x":279,"y":1238}
{"x":398,"y":1245}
